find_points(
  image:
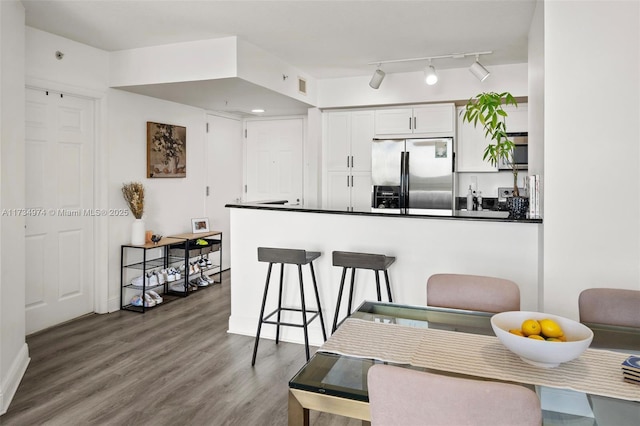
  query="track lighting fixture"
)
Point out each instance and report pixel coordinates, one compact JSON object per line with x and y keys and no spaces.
{"x":377,"y":78}
{"x":430,"y":76}
{"x":478,"y":70}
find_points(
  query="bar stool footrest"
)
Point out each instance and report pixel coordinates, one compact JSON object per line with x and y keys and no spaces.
{"x":266,"y":320}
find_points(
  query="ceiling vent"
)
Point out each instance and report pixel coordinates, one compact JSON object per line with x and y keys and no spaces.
{"x":302,"y":85}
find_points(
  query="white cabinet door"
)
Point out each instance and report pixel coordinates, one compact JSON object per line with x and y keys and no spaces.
{"x":338,"y":191}
{"x":471,"y":146}
{"x":362,"y":133}
{"x":338,"y":139}
{"x":434,"y":119}
{"x":361,"y":191}
{"x":517,"y":118}
{"x":394,"y":121}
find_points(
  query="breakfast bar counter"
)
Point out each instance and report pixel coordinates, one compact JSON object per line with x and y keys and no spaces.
{"x":479,"y":243}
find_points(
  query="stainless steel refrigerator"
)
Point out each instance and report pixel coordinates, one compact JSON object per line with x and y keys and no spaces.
{"x":413,"y":176}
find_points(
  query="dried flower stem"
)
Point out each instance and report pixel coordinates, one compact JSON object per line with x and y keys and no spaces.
{"x":134,"y":196}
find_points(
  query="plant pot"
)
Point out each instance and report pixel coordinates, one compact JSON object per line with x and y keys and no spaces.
{"x":518,"y":207}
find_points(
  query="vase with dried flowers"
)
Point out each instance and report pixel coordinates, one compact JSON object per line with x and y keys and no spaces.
{"x":133,"y":193}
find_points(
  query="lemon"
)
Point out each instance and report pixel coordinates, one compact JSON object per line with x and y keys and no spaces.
{"x":516,"y":332}
{"x":553,"y":339}
{"x":535,"y":336}
{"x":550,"y":328}
{"x":530,"y":327}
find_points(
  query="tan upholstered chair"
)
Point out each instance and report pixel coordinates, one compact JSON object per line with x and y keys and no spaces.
{"x":473,"y":292}
{"x":400,"y":396}
{"x":611,"y":306}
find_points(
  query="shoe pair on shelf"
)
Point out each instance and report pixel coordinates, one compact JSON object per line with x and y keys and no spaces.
{"x":149,"y":299}
{"x":194,"y":268}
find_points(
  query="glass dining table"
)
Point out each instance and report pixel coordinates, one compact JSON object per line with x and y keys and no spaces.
{"x":337,"y":384}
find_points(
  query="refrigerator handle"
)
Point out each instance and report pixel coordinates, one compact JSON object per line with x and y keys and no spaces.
{"x":402,"y":177}
{"x":405,"y":168}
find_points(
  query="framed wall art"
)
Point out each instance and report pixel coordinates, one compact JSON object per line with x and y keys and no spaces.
{"x":166,"y":150}
{"x":199,"y":225}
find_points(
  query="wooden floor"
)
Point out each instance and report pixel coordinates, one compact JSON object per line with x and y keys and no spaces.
{"x":174,"y":365}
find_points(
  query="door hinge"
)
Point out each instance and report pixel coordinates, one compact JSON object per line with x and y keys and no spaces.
{"x":207,"y":190}
{"x":207,"y":127}
{"x":245,"y":133}
{"x":245,"y":189}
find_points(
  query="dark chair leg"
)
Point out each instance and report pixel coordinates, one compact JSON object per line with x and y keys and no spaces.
{"x":304,"y":314}
{"x":264,"y":301}
{"x":335,"y":316}
{"x":279,"y":303}
{"x":378,"y":285}
{"x":386,"y":278}
{"x":315,"y":288}
{"x":353,"y":279}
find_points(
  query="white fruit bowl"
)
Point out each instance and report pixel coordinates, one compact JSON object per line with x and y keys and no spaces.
{"x":539,"y":352}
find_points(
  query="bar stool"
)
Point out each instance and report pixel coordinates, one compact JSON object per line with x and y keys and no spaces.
{"x":375,"y":262}
{"x":291,"y":257}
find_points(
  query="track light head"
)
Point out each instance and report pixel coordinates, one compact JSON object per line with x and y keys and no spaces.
{"x":479,"y":71}
{"x":377,"y":78}
{"x":430,"y":76}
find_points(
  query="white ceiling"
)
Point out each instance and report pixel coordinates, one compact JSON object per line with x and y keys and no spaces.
{"x":326,"y":39}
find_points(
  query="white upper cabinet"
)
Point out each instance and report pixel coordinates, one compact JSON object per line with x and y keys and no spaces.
{"x":472,"y":143}
{"x":436,"y":120}
{"x":348,"y":137}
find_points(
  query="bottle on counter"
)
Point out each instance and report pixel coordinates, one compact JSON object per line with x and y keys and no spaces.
{"x":479,"y":200}
{"x":470,"y":199}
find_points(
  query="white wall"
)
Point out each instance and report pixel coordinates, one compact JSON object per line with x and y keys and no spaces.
{"x":14,"y":353}
{"x":591,"y":150}
{"x":169,"y":203}
{"x":403,"y":88}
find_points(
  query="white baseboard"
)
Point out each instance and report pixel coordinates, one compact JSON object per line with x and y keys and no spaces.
{"x":14,"y":376}
{"x":113,"y":304}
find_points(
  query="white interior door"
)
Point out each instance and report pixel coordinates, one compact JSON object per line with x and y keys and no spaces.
{"x":59,"y":195}
{"x":224,"y":175}
{"x":274,"y":160}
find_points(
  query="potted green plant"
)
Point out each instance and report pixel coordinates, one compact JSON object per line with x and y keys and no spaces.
{"x":488,"y":109}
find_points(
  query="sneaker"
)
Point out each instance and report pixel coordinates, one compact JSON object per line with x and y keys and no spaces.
{"x":162,"y":278}
{"x":138,"y":281}
{"x":178,"y":274}
{"x":153,"y":279}
{"x":171,"y":275}
{"x":179,"y":287}
{"x":208,"y":279}
{"x":155,"y":296}
{"x":208,"y":262}
{"x":196,"y":267}
{"x":137,"y":300}
{"x":193,"y":286}
{"x":202,"y":263}
{"x":202,"y":282}
{"x":148,"y":301}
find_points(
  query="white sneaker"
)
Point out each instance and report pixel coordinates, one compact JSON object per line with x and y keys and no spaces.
{"x":138,"y":281}
{"x":153,"y":279}
{"x":161,"y":276}
{"x":171,"y":276}
{"x":137,"y":300}
{"x":155,"y":296}
{"x":208,"y":278}
{"x":179,"y":287}
{"x":202,"y":282}
{"x":148,"y":301}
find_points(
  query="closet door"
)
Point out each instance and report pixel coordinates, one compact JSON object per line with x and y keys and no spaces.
{"x":59,"y":185}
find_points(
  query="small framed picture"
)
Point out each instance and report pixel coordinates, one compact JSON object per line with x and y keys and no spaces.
{"x":200,"y":225}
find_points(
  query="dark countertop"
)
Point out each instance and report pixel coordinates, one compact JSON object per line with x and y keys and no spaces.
{"x":483,"y":215}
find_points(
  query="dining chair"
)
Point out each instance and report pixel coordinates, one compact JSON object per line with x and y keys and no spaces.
{"x":612,"y":306}
{"x":401,"y":396}
{"x":473,"y":292}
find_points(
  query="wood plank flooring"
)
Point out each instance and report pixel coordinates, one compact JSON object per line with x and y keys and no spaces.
{"x":174,"y":365}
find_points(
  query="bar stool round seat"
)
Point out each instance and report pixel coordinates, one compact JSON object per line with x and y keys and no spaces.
{"x":353,"y":261}
{"x":292,"y":257}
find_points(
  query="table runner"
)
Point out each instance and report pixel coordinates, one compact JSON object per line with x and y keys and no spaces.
{"x":596,"y":371}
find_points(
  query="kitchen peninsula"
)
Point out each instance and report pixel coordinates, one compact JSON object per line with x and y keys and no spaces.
{"x":465,"y":242}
